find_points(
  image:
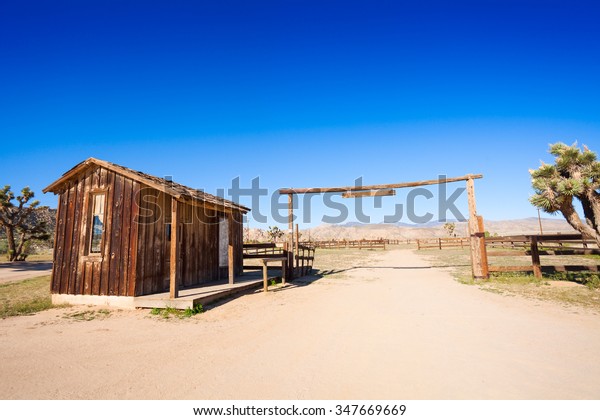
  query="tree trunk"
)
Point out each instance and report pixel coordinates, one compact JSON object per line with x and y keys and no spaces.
{"x":19,"y":251}
{"x":10,"y":237}
{"x":594,"y":200}
{"x":573,"y":219}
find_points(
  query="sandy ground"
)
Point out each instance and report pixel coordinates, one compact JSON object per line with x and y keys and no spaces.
{"x":394,"y":330}
{"x":21,"y":270}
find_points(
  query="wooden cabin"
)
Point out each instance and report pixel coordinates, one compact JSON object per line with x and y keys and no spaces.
{"x":121,"y":233}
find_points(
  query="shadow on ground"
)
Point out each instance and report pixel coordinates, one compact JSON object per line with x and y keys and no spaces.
{"x":26,"y":265}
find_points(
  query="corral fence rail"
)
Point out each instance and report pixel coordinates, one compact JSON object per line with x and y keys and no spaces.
{"x":305,"y":257}
{"x":536,"y":246}
{"x":360,"y":244}
{"x":442,"y":243}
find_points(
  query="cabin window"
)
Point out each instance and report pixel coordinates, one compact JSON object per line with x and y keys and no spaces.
{"x":97,"y":223}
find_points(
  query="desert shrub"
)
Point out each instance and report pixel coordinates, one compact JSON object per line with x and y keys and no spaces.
{"x":177,"y":313}
{"x":591,"y":280}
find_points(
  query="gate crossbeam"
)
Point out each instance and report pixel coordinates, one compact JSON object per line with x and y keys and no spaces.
{"x":377,"y":187}
{"x":476,"y":232}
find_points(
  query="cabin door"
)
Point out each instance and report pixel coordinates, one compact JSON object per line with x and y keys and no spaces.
{"x":223,"y":242}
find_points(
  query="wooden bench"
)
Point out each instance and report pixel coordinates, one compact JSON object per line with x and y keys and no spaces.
{"x":265,"y":262}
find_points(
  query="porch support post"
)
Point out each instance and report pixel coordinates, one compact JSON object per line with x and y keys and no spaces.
{"x":175,"y":251}
{"x":475,"y":235}
{"x":230,"y":253}
{"x":297,"y":246}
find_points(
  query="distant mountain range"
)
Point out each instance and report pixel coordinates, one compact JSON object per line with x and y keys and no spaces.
{"x":402,"y":224}
{"x":355,"y":230}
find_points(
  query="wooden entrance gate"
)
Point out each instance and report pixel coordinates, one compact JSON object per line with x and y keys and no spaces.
{"x":476,"y":231}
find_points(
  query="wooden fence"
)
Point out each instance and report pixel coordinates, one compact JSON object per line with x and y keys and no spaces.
{"x":442,"y":243}
{"x":263,"y":250}
{"x":304,"y":256}
{"x":540,"y":245}
{"x":360,"y":244}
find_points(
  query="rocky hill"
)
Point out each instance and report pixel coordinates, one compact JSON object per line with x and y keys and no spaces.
{"x":354,"y":231}
{"x":435,"y":230}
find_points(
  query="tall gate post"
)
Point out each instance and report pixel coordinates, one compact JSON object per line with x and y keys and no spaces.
{"x":478,"y":265}
{"x":290,"y":262}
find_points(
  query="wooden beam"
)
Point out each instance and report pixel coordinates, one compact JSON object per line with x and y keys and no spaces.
{"x":373,"y":193}
{"x":207,"y":205}
{"x":230,"y":263}
{"x":484,"y":258}
{"x":535,"y":259}
{"x":230,"y":253}
{"x":508,"y":254}
{"x":500,"y":269}
{"x":290,"y":214}
{"x":265,"y":277}
{"x":175,"y":251}
{"x":251,"y":257}
{"x":377,"y":187}
{"x":296,"y":245}
{"x":477,"y":245}
{"x":540,"y":238}
{"x":290,"y":263}
{"x":283,"y":272}
{"x":261,"y":245}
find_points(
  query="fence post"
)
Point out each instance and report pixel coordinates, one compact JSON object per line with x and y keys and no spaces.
{"x":535,"y":257}
{"x":418,"y":245}
{"x":290,"y":263}
{"x":440,"y":243}
{"x":303,"y":259}
{"x":483,"y":247}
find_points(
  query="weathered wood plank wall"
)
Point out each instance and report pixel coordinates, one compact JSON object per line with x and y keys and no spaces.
{"x":135,"y":257}
{"x":76,"y":270}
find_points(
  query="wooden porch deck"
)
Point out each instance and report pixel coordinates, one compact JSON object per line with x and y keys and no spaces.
{"x":204,"y":294}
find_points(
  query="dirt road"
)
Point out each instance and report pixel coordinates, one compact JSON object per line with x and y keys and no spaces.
{"x":21,"y":270}
{"x":394,"y":330}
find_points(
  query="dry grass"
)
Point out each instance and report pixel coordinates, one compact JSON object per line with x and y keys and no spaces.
{"x":577,"y":289}
{"x":25,"y":297}
{"x":88,"y":315}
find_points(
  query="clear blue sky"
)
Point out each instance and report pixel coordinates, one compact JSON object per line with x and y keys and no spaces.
{"x":300,"y":93}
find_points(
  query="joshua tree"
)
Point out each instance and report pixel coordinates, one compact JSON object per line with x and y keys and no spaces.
{"x":574,"y":174}
{"x":450,"y":228}
{"x":274,"y":233}
{"x":22,"y":223}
